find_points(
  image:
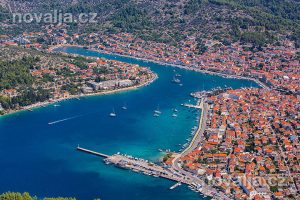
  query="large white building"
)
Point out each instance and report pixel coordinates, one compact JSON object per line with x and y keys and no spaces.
{"x":111,"y":84}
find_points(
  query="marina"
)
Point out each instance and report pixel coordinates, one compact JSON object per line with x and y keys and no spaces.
{"x":174,"y":173}
{"x":148,"y":168}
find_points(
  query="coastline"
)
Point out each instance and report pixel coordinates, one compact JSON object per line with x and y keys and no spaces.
{"x":50,"y":49}
{"x":153,"y":78}
{"x":47,"y":103}
{"x":208,"y":190}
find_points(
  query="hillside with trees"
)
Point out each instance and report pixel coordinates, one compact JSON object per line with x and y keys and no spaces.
{"x":16,"y":72}
{"x":255,"y":21}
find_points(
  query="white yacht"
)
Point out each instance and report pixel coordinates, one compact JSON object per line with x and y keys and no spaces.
{"x":124,"y":107}
{"x":156,"y":115}
{"x":113,"y":114}
{"x":157,"y":111}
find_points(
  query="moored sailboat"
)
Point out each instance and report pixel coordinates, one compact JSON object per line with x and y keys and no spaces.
{"x":113,"y":113}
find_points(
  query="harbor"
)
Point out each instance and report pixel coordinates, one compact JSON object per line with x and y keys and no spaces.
{"x":139,"y":165}
{"x":173,"y":172}
{"x":148,"y":168}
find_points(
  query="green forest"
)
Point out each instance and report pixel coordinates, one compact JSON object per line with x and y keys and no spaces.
{"x":26,"y":196}
{"x":254,"y":21}
{"x":14,"y":73}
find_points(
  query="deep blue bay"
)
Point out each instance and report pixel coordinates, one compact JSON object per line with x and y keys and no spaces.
{"x":41,"y":158}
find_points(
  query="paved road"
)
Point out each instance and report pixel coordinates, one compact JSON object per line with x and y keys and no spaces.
{"x":195,"y":143}
{"x":197,"y":140}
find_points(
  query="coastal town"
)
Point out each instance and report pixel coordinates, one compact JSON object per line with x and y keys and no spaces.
{"x":241,"y":150}
{"x":275,"y":66}
{"x":250,"y":144}
{"x":247,"y":143}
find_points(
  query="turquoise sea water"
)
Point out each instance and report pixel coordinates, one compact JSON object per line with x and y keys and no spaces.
{"x":41,"y":158}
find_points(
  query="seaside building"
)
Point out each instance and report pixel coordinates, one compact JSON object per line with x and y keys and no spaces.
{"x":87,"y":90}
{"x":111,"y":84}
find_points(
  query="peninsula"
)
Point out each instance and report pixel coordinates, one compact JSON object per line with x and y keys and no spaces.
{"x":33,"y":78}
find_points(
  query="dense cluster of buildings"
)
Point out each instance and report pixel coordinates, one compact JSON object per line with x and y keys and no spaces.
{"x":251,"y":145}
{"x":276,"y":66}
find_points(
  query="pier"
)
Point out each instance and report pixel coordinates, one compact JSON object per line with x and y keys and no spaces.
{"x":199,"y":104}
{"x":191,"y":106}
{"x":148,"y":168}
{"x":92,"y":152}
{"x":141,"y":166}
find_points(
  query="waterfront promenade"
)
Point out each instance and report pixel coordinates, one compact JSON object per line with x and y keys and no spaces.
{"x":201,"y":127}
{"x":194,"y":144}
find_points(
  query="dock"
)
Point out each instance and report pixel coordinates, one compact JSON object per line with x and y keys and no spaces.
{"x":92,"y":152}
{"x":191,"y":106}
{"x":198,"y":106}
{"x":146,"y":167}
{"x":141,"y":166}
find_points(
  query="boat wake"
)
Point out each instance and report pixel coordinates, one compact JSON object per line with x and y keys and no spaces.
{"x":62,"y":120}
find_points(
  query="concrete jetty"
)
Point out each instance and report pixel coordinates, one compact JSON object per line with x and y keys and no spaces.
{"x":191,"y":106}
{"x":140,"y":165}
{"x":146,"y":167}
{"x":92,"y":152}
{"x":199,"y":104}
